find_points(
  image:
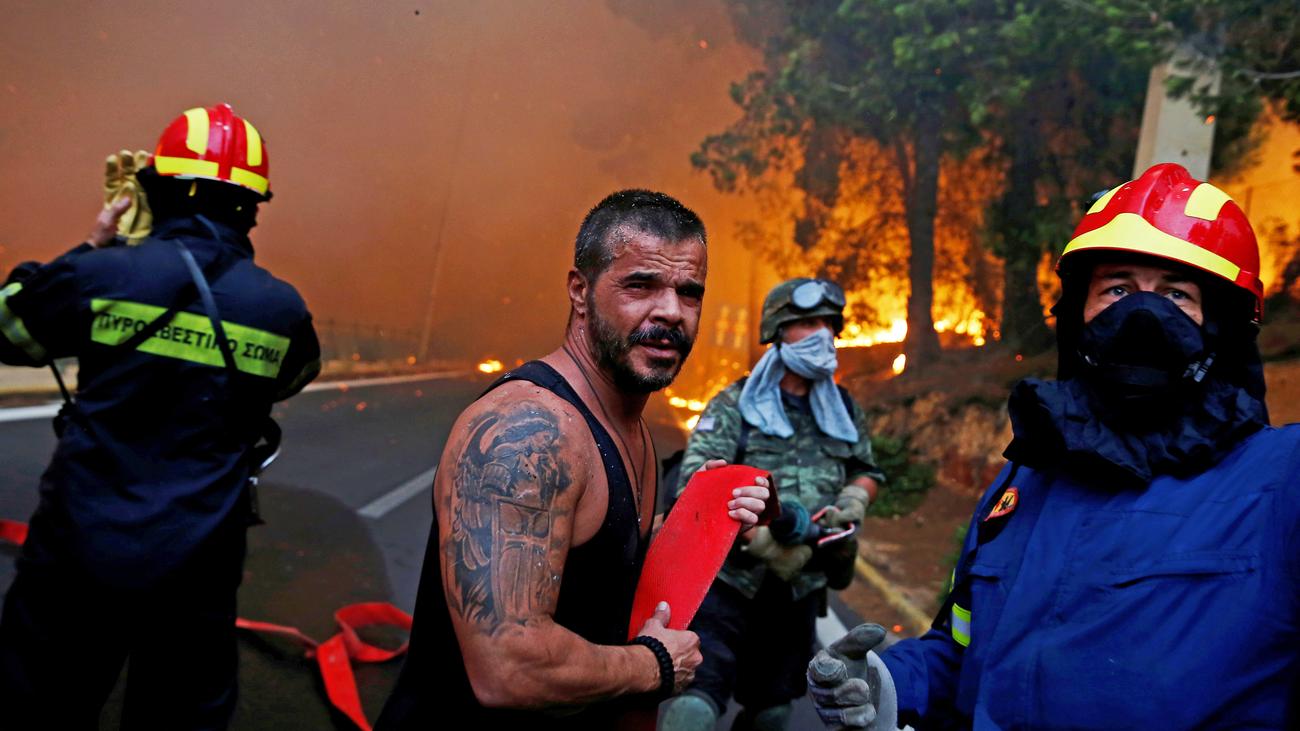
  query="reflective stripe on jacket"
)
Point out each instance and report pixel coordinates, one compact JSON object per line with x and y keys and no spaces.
{"x":153,"y":457}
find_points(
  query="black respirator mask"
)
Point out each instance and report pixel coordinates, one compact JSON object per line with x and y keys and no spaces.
{"x":1142,"y":356}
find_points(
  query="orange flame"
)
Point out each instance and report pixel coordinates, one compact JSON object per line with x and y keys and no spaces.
{"x":689,"y":408}
{"x":855,"y":335}
{"x":491,"y":365}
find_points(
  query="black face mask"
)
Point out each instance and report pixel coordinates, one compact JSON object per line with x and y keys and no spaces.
{"x":1142,"y":356}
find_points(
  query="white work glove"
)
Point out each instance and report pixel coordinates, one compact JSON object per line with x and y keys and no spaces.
{"x":850,"y":506}
{"x":850,"y":685}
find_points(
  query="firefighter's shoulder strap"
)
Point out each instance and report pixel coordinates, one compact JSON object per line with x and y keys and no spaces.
{"x":196,"y":287}
{"x":186,"y":295}
{"x":209,"y":302}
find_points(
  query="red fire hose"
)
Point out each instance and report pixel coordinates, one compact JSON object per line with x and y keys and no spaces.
{"x":334,"y":656}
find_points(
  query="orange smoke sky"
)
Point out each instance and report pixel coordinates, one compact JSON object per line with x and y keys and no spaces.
{"x":513,"y":117}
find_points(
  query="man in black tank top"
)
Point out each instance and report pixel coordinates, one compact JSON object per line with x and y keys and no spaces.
{"x":544,"y":499}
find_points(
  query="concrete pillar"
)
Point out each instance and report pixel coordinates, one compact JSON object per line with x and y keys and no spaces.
{"x":1172,"y":129}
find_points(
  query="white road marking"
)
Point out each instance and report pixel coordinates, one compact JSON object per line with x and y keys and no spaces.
{"x":385,"y":381}
{"x":24,"y":413}
{"x":830,"y":628}
{"x":382,"y":505}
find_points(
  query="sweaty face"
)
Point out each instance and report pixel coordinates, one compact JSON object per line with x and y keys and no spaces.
{"x":1110,"y":282}
{"x":644,"y":310}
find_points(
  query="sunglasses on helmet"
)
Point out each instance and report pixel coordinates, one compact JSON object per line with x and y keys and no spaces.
{"x":811,"y":294}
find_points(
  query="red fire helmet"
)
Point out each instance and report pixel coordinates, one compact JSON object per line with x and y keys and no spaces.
{"x":214,"y":144}
{"x":1168,"y":214}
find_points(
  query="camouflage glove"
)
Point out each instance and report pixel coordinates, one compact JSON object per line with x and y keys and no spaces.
{"x":850,"y":506}
{"x":784,"y":561}
{"x":120,"y":182}
{"x":851,"y":686}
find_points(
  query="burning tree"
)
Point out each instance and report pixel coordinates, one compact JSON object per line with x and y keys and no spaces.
{"x":904,"y":78}
{"x":859,"y":131}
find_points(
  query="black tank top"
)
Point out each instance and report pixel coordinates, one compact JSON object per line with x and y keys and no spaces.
{"x":595,"y":602}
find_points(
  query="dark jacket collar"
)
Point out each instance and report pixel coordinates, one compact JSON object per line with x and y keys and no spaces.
{"x":193,"y":226}
{"x":1057,"y":426}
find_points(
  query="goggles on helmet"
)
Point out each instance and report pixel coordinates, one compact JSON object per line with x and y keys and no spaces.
{"x":811,"y":294}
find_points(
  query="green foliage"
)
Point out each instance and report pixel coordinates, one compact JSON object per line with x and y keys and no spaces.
{"x":1254,"y":45}
{"x":950,"y":562}
{"x":908,"y":478}
{"x":1054,"y":88}
{"x":919,"y":80}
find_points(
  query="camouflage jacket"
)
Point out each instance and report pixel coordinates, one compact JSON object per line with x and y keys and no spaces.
{"x":809,"y":466}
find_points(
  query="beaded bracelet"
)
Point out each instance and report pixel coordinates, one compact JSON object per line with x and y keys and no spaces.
{"x":665,"y":660}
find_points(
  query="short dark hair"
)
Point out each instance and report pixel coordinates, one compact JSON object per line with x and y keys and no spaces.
{"x":639,"y":210}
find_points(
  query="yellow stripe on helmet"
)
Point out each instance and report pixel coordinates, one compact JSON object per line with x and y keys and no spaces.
{"x":254,"y":145}
{"x":1205,"y":202}
{"x":185,"y":166}
{"x":249,"y":180}
{"x":1131,"y":232}
{"x":196,"y":130}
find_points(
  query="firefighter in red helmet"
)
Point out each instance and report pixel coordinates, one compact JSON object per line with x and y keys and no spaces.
{"x":183,"y":343}
{"x":1137,"y":562}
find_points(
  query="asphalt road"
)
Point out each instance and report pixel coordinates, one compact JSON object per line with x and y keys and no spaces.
{"x":347,"y":510}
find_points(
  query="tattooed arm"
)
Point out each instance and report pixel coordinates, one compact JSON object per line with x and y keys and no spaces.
{"x":506,"y":513}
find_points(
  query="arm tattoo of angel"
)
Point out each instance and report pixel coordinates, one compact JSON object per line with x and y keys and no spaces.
{"x":507,"y":477}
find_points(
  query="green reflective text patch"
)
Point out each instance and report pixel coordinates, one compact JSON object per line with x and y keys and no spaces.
{"x":188,"y":337}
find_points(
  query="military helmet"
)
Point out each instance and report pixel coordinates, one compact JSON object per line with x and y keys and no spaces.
{"x":798,"y":298}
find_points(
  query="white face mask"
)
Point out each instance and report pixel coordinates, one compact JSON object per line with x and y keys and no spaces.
{"x":813,"y":357}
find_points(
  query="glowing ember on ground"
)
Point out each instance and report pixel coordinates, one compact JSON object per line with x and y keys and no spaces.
{"x":491,"y":365}
{"x":899,"y":363}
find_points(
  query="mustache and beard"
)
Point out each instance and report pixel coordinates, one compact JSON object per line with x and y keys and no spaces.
{"x":613,"y":353}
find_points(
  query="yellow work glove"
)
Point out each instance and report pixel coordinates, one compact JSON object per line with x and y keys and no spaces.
{"x":120,"y":182}
{"x":784,"y":561}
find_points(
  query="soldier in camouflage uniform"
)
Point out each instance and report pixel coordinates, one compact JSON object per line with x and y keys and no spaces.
{"x":756,"y":626}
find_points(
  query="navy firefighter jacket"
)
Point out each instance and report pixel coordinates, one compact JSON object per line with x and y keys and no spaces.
{"x":1077,"y":606}
{"x":154,"y":456}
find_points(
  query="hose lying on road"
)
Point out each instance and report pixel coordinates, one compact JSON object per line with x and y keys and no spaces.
{"x":334,"y":656}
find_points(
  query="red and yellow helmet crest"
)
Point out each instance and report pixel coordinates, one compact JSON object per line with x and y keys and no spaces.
{"x":214,"y":144}
{"x":1168,"y":214}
